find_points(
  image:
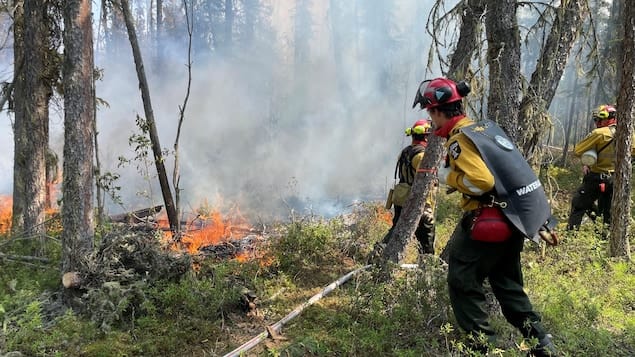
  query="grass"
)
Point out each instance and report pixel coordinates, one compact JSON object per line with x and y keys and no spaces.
{"x":586,"y":299}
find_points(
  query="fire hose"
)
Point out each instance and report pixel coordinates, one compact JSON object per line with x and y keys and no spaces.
{"x":275,"y":328}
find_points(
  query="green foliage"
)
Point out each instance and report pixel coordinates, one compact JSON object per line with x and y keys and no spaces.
{"x":584,"y":296}
{"x":367,"y":224}
{"x":308,"y":246}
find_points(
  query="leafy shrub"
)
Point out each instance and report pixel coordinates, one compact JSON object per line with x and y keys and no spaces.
{"x":307,"y":247}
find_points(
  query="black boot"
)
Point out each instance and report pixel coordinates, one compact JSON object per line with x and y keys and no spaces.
{"x":545,"y":348}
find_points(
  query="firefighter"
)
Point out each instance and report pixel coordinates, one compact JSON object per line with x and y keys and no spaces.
{"x":484,"y":166}
{"x":405,"y":170}
{"x":597,"y":153}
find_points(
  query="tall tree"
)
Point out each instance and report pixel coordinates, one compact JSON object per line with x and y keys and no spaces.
{"x":545,"y":79}
{"x":621,"y":210}
{"x":35,"y":75}
{"x":79,"y":124}
{"x":149,"y":123}
{"x":503,"y":59}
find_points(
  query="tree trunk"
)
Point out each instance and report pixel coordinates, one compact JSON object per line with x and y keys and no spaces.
{"x":31,"y":138}
{"x":503,"y":59}
{"x":621,"y":208}
{"x":405,"y":228}
{"x":571,"y":118}
{"x":471,"y":29}
{"x":408,"y":221}
{"x":20,"y":137}
{"x":533,"y":116}
{"x":79,"y":117}
{"x":150,"y":122}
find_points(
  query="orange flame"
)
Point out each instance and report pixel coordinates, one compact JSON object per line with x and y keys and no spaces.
{"x":6,"y":213}
{"x":213,"y":231}
{"x":210,"y":227}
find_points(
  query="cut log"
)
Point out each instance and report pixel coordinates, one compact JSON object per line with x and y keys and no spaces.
{"x":136,"y":216}
{"x":71,"y":280}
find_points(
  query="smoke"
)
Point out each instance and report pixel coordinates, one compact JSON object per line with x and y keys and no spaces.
{"x":261,"y":133}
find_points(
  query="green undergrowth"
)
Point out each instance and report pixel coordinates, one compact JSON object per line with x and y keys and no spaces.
{"x":586,"y":298}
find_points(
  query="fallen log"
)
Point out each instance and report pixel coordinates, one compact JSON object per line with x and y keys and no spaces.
{"x":137,"y":216}
{"x":24,"y":258}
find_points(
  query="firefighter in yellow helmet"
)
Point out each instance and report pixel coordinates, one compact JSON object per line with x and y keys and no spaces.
{"x":597,"y":153}
{"x":405,"y":170}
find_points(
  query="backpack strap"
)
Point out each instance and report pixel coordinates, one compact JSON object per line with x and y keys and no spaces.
{"x":612,"y":130}
{"x":405,"y":162}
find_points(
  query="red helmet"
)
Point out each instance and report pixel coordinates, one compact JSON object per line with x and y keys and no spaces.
{"x":420,"y":127}
{"x":434,"y":92}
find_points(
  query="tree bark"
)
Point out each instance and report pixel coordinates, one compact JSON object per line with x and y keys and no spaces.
{"x":621,"y":208}
{"x":408,"y":221}
{"x":20,"y":137}
{"x":503,"y":59}
{"x":533,"y":117}
{"x":150,"y":122}
{"x":79,"y":117}
{"x":470,"y":32}
{"x":32,"y":129}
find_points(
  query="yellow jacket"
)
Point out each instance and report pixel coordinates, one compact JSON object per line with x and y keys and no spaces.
{"x":599,"y":139}
{"x":466,"y":164}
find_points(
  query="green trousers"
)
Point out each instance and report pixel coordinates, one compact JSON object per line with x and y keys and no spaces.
{"x":470,"y":263}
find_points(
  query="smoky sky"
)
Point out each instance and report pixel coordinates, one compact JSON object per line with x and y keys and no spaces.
{"x":263,"y":131}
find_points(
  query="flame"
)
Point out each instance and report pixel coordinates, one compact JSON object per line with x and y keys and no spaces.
{"x":214,"y":229}
{"x":6,"y":213}
{"x":209,"y":227}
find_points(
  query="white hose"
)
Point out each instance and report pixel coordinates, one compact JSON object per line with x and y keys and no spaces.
{"x":278,"y":325}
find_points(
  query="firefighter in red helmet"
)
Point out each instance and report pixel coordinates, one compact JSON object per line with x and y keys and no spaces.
{"x":503,"y":203}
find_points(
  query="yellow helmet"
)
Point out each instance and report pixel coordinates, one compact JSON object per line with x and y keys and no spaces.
{"x":420,"y":127}
{"x":604,"y":112}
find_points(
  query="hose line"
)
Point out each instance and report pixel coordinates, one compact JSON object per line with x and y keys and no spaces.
{"x":275,"y":328}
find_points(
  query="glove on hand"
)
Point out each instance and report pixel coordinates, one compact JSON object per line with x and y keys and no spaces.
{"x":443,"y":173}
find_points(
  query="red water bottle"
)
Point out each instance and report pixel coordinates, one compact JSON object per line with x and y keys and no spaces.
{"x":602,"y":186}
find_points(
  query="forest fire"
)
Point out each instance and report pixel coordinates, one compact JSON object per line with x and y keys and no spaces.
{"x":212,"y":233}
{"x":6,"y":209}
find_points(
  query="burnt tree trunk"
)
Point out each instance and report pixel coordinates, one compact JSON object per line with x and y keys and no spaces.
{"x":79,"y":117}
{"x":150,"y":122}
{"x":621,"y":208}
